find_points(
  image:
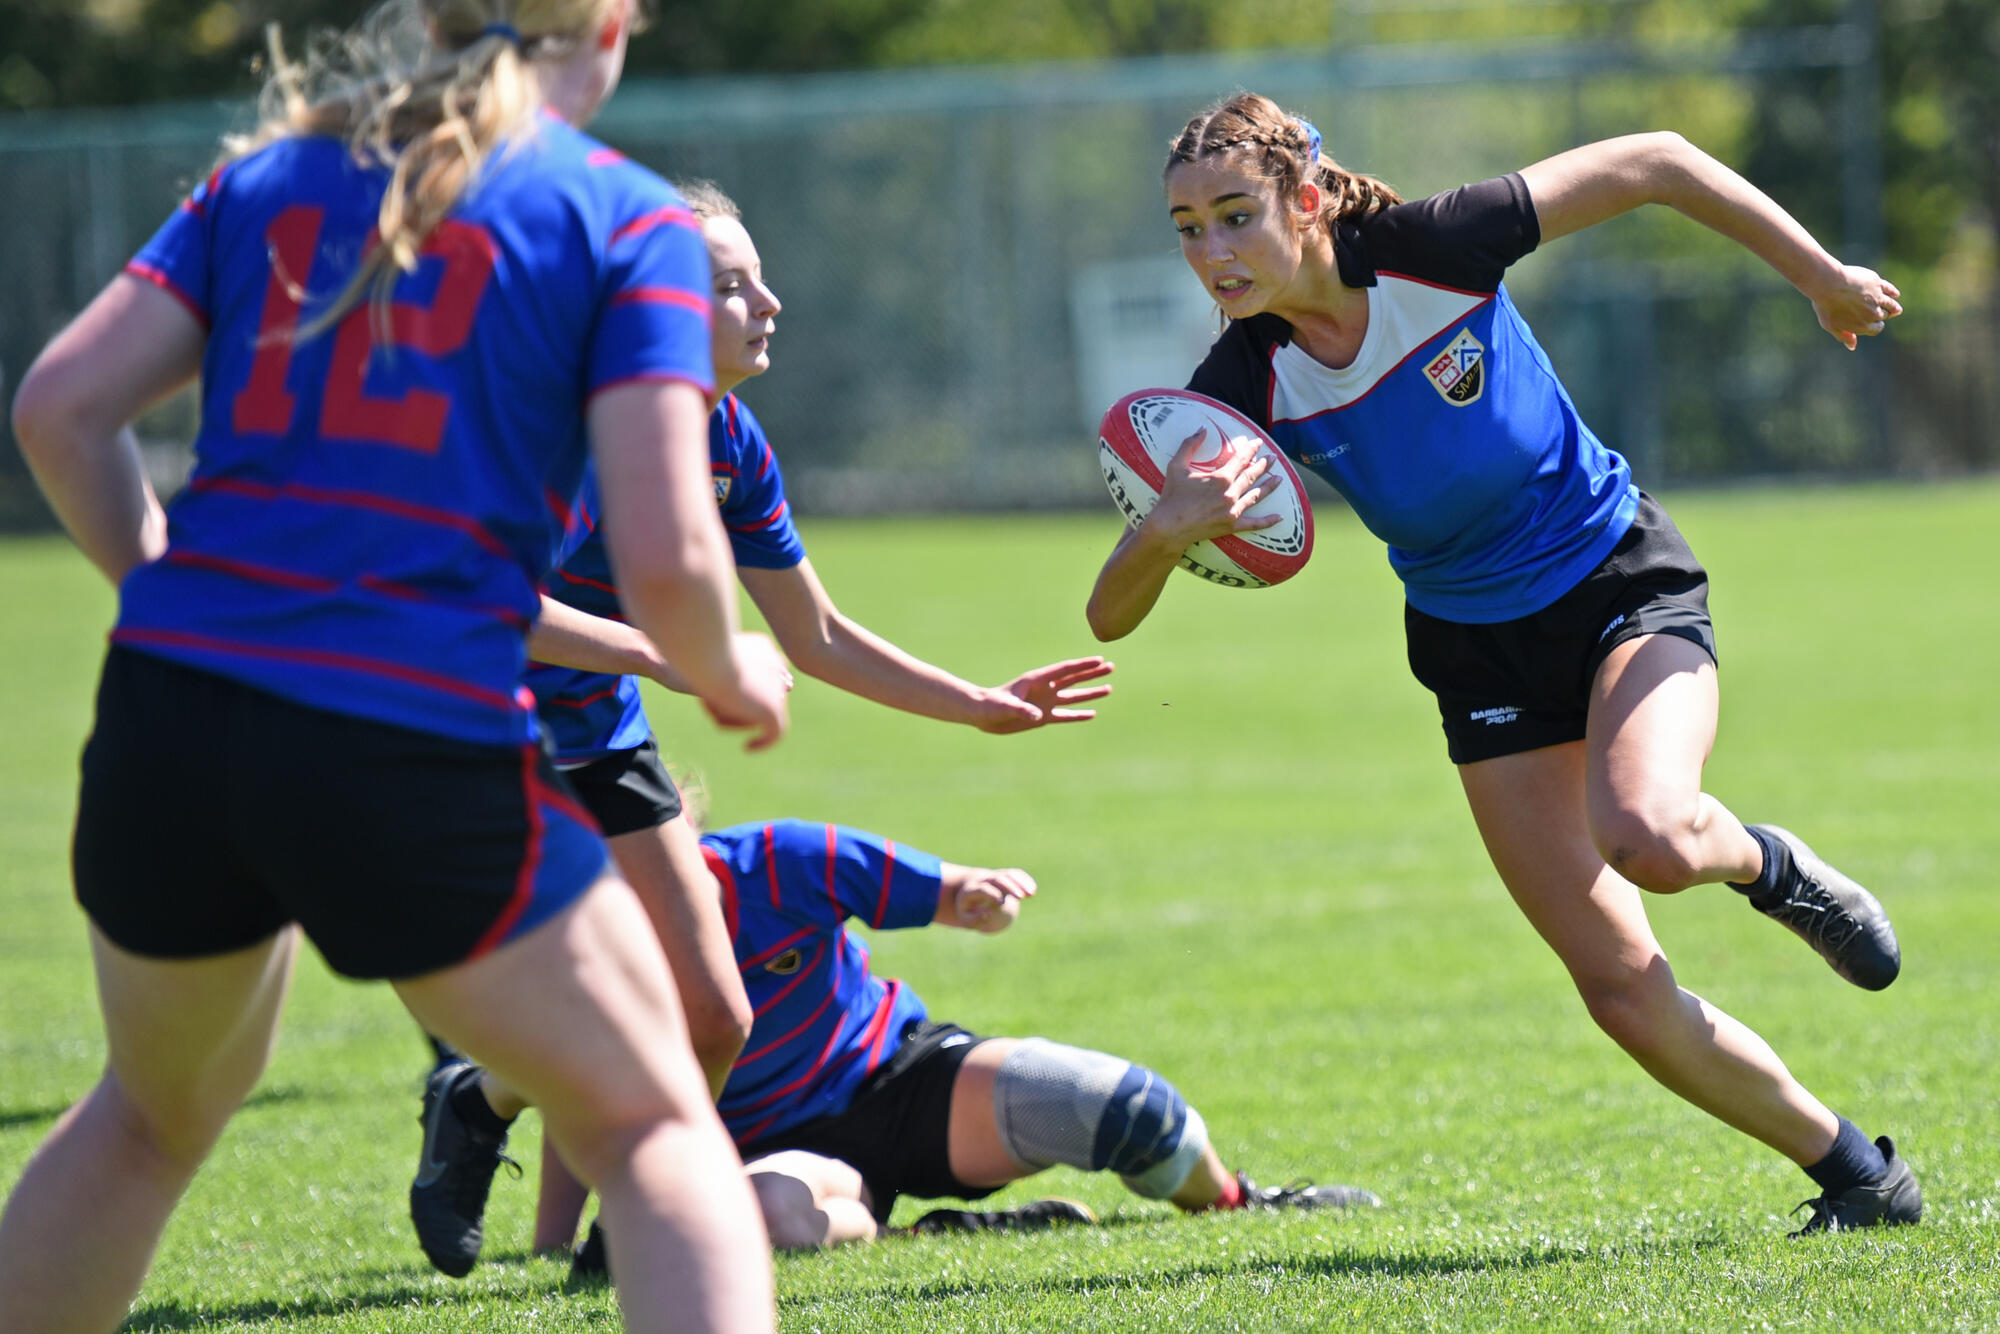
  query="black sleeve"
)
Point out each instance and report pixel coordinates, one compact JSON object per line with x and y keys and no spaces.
{"x":1462,"y":238}
{"x":1237,"y":369}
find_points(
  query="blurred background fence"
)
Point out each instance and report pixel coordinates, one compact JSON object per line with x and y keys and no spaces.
{"x":976,"y":261}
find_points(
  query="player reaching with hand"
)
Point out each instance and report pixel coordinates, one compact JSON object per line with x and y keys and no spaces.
{"x":416,"y":299}
{"x":592,"y":710}
{"x":1552,"y":607}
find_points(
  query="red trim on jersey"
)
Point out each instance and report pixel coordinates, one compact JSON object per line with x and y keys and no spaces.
{"x":880,"y":1023}
{"x":564,"y":515}
{"x":766,"y":461}
{"x":389,"y":588}
{"x":805,"y":971}
{"x":776,"y":1043}
{"x":147,"y":273}
{"x":888,"y":873}
{"x":524,"y":883}
{"x":763,"y":957}
{"x":583,"y":703}
{"x":666,"y":296}
{"x":1421,"y":344}
{"x":777,"y":517}
{"x":729,"y":407}
{"x":776,"y":1094}
{"x":351,"y":662}
{"x":726,"y":881}
{"x":347,"y":499}
{"x":707,"y":387}
{"x":771,"y":860}
{"x":673,"y":215}
{"x":256,"y":574}
{"x":832,"y":898}
{"x":602,"y":157}
{"x":584,"y":581}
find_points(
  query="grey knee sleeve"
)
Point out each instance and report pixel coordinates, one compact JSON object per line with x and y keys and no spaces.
{"x":1059,"y":1104}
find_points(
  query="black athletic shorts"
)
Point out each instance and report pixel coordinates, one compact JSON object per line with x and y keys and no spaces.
{"x":1520,"y":685}
{"x":627,"y":790}
{"x":897,"y":1131}
{"x":212,"y":814}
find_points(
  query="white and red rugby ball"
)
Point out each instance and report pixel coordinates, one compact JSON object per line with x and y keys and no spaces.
{"x":1138,"y":438}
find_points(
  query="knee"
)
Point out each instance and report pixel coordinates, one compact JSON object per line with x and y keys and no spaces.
{"x":1633,"y":1009}
{"x":1654,"y":850}
{"x":178,"y":1134}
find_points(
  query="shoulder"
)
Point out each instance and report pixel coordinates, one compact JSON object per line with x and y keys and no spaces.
{"x":1237,"y":369}
{"x":1459,"y":238}
{"x":618,"y":192}
{"x":737,"y":438}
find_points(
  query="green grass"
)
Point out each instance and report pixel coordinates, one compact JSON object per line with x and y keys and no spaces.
{"x":1259,"y":878}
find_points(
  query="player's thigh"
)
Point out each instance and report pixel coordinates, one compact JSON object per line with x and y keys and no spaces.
{"x":979,"y":1155}
{"x":1530,"y":811}
{"x":666,"y":870}
{"x":1651,"y":726}
{"x":820,"y":1177}
{"x":579,"y":1016}
{"x":188,"y":1038}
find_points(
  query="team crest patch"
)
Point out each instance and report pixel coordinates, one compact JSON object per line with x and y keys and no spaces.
{"x":785,"y":964}
{"x":1459,"y":372}
{"x":721,"y":489}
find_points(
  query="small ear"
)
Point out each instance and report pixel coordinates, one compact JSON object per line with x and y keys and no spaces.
{"x":614,"y":27}
{"x":1310,"y":198}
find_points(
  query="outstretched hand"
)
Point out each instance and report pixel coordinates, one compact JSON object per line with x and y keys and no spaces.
{"x":991,"y":900}
{"x":1863,"y":303}
{"x":1045,"y":695}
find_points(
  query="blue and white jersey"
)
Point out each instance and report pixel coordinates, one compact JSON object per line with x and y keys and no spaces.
{"x":824,"y":1022}
{"x":1449,"y":434}
{"x":589,"y":714}
{"x":367,"y":524}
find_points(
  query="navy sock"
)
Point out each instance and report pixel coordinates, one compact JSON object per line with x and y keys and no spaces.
{"x":1777,"y":870}
{"x":469,"y":1101}
{"x":1852,"y":1161}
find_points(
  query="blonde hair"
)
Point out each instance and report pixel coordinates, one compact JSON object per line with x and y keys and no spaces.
{"x":705,"y":199}
{"x":1276,"y":143}
{"x":428,"y":89}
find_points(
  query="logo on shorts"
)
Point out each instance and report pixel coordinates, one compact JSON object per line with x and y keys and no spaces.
{"x":785,"y":964}
{"x":1504,"y":713}
{"x":1616,"y":621}
{"x":1459,"y":372}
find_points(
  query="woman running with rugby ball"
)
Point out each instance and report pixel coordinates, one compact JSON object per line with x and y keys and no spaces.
{"x":412,"y":298}
{"x":592,"y":710}
{"x":1553,"y":608}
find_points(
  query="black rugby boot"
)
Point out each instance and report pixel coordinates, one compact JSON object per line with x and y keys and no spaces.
{"x":1889,"y":1202}
{"x":1030,"y":1217}
{"x":1828,"y":911}
{"x":454,"y":1173}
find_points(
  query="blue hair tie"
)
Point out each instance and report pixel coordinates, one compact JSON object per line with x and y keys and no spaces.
{"x":1312,"y":147}
{"x":506,"y":30}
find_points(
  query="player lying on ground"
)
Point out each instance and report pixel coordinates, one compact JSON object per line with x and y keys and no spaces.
{"x":849,"y":1094}
{"x":592,"y":712}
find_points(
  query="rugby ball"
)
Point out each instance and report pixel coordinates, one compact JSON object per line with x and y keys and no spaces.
{"x":1138,"y":439}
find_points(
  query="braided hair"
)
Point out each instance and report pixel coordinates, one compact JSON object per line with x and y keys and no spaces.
{"x":1278,"y":145}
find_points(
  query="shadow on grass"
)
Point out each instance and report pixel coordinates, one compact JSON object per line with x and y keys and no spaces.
{"x":1290,"y":1267}
{"x":28,"y":1116}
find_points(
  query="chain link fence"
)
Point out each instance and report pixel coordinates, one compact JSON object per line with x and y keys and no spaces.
{"x":974,"y":263}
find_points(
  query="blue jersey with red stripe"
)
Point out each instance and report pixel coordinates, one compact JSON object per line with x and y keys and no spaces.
{"x":589,"y":714}
{"x":823,"y":1021}
{"x":368,"y":518}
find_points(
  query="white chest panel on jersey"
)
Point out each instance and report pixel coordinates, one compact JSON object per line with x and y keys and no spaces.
{"x":1403,"y":315}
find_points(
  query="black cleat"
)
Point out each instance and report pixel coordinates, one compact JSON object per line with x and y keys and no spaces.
{"x":454,"y":1172}
{"x":592,"y":1261}
{"x":1304,"y":1195}
{"x":1837,"y":917}
{"x":1031,"y":1217}
{"x":1890,"y":1202}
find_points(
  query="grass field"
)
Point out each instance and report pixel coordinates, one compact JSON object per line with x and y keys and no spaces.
{"x":1258,"y":877}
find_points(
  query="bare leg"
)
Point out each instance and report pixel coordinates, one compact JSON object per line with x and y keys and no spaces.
{"x":978,"y":1155}
{"x":1652,"y":724}
{"x":810,"y":1201}
{"x":187,"y":1041}
{"x":580,"y":1017}
{"x":1530,"y":811}
{"x":664,"y":866}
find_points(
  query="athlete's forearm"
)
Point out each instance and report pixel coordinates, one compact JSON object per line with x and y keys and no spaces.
{"x":851,"y":657}
{"x":97,"y":486}
{"x":567,"y":637}
{"x":1130,"y":583}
